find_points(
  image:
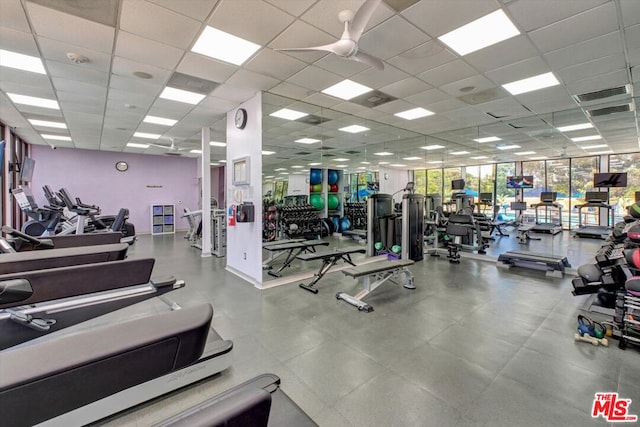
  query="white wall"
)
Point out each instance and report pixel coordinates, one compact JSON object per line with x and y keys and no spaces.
{"x":298,"y":185}
{"x":244,"y":240}
{"x":396,"y":180}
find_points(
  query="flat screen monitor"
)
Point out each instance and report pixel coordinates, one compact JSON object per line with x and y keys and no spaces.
{"x":525,"y":181}
{"x":596,"y":196}
{"x":26,"y":169}
{"x":457,"y":184}
{"x":548,"y":196}
{"x":518,"y":206}
{"x":486,"y":197}
{"x":608,"y":179}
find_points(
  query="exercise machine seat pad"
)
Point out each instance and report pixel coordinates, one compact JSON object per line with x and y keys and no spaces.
{"x":632,"y":285}
{"x":590,"y":272}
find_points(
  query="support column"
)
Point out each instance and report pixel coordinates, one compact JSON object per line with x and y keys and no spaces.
{"x":205,"y":191}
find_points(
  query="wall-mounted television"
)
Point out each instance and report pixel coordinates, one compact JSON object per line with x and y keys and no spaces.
{"x":26,"y":169}
{"x":525,"y":181}
{"x":608,"y":179}
{"x":457,"y":184}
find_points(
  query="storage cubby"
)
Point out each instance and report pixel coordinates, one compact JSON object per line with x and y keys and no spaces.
{"x":163,"y":219}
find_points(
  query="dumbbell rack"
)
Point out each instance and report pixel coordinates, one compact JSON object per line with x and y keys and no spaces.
{"x":628,"y":318}
{"x":357,"y":215}
{"x":299,"y":221}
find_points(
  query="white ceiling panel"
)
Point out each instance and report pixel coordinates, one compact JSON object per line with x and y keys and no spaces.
{"x":57,"y":51}
{"x":206,"y":68}
{"x":82,"y":105}
{"x":124,"y":68}
{"x":630,"y":11}
{"x":391,"y":38}
{"x":437,"y":17}
{"x":513,"y":50}
{"x":250,"y":80}
{"x":13,"y":16}
{"x":196,"y":9}
{"x":584,"y":26}
{"x":341,"y":66}
{"x":70,"y":29}
{"x":25,"y":78}
{"x":376,"y":79}
{"x":427,"y":56}
{"x":148,"y":51}
{"x":589,"y":69}
{"x":77,"y":73}
{"x":478,"y":82}
{"x":532,"y":15}
{"x":405,"y":87}
{"x":18,"y":41}
{"x":301,"y":34}
{"x":588,"y":50}
{"x":275,"y":64}
{"x":321,"y":99}
{"x":293,"y":7}
{"x":447,"y":73}
{"x":30,"y":87}
{"x":632,"y":37}
{"x":315,"y":78}
{"x":603,"y":81}
{"x":324,"y":15}
{"x":233,"y":93}
{"x":215,"y":105}
{"x":261,"y":22}
{"x":68,"y":89}
{"x":519,"y":70}
{"x":135,"y":89}
{"x":292,"y":91}
{"x":158,"y":23}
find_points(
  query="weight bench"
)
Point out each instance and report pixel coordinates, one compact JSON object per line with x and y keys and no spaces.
{"x":329,"y":259}
{"x":379,"y":272}
{"x":292,"y":249}
{"x":554,"y":266}
{"x":356,"y":234}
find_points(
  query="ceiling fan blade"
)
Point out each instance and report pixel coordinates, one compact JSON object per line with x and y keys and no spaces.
{"x":361,"y":19}
{"x":365,"y":58}
{"x":166,"y":147}
{"x":323,"y":48}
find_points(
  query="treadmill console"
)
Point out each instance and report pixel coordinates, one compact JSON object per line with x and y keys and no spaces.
{"x":548,"y":196}
{"x":596,"y":196}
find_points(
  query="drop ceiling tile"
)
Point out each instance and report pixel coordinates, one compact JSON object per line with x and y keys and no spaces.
{"x":77,"y":73}
{"x":54,"y":50}
{"x":67,"y":89}
{"x":447,"y":105}
{"x":592,"y":68}
{"x":250,"y":80}
{"x":520,"y":70}
{"x":147,"y":51}
{"x":585,"y":51}
{"x":447,"y":73}
{"x":504,"y":108}
{"x":321,"y":100}
{"x":533,"y":15}
{"x":478,"y":82}
{"x":124,"y":68}
{"x":274,"y":64}
{"x":166,"y":108}
{"x":134,"y":88}
{"x":70,"y":29}
{"x":233,"y":93}
{"x":158,"y":23}
{"x":427,"y":56}
{"x":348,"y":108}
{"x":200,"y":66}
{"x":261,"y":22}
{"x":341,"y":66}
{"x":13,"y":16}
{"x":375,"y":79}
{"x":324,"y":15}
{"x":603,"y":81}
{"x":82,"y":106}
{"x":315,"y":78}
{"x":13,"y":76}
{"x":632,"y":37}
{"x":587,"y":25}
{"x":301,"y":34}
{"x":630,"y":11}
{"x":18,"y":41}
{"x":447,"y":18}
{"x":427,"y":97}
{"x":405,"y":87}
{"x":291,"y":91}
{"x":391,"y":38}
{"x":215,"y":105}
{"x":196,"y":9}
{"x":499,"y":55}
{"x":28,"y":86}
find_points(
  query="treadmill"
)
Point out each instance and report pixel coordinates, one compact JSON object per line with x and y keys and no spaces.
{"x":548,"y":200}
{"x":598,"y":200}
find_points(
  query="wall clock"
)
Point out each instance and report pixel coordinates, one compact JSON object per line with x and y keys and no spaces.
{"x":122,"y":166}
{"x":241,"y":118}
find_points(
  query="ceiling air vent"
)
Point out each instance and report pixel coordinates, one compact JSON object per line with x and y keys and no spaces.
{"x":609,"y":110}
{"x":326,"y":148}
{"x":351,"y":152}
{"x":372,"y":99}
{"x":312,"y":119}
{"x":303,"y":153}
{"x":602,"y":94}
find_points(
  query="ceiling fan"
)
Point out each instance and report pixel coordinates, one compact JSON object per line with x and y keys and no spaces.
{"x":173,"y":149}
{"x":347,"y":46}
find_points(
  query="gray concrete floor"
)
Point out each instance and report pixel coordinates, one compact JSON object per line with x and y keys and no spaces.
{"x":473,"y":345}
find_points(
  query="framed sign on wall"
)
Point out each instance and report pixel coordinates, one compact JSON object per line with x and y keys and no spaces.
{"x":241,"y":171}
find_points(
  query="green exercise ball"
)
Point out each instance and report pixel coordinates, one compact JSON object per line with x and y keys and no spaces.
{"x":316,"y":201}
{"x":333,"y":201}
{"x":317,"y":188}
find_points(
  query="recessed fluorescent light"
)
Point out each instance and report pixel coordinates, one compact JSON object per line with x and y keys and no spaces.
{"x":280,"y":169}
{"x":586,"y":138}
{"x":267,"y":153}
{"x":415,"y":113}
{"x":284,"y":173}
{"x":21,"y":62}
{"x":224,"y":46}
{"x":591,"y":147}
{"x":341,"y":159}
{"x":432,"y":147}
{"x":397,"y":165}
{"x":524,"y":153}
{"x":33,"y":101}
{"x":47,"y":124}
{"x":412,"y":158}
{"x":217,"y":144}
{"x":458,"y":153}
{"x":507,"y":147}
{"x":222,"y":161}
{"x":307,"y":140}
{"x":486,"y":31}
{"x":365,"y":163}
{"x":383,"y":163}
{"x":146,"y":135}
{"x":602,"y":152}
{"x":270,"y":176}
{"x":531,"y":83}
{"x":315,"y":164}
{"x":347,"y":90}
{"x":435,"y":161}
{"x":383,"y":153}
{"x":297,"y":167}
{"x":575,"y":127}
{"x":214,"y":164}
{"x":478,"y":157}
{"x":362,"y":167}
{"x":487,"y":139}
{"x":342,"y":166}
{"x":538,"y":158}
{"x":181,"y":95}
{"x":57,"y":137}
{"x":287,"y":114}
{"x":194,"y":151}
{"x":136,"y":145}
{"x":159,"y":121}
{"x":354,"y":129}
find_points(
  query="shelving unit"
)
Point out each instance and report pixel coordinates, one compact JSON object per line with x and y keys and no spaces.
{"x":163,"y":220}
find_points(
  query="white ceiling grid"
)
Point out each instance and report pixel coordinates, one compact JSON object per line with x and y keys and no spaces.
{"x":589,"y":45}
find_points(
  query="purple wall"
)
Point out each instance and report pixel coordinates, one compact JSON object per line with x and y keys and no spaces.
{"x":92,"y":176}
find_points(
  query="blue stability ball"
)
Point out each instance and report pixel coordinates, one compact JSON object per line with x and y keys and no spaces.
{"x":332,"y":177}
{"x":336,"y":222}
{"x":315,"y":177}
{"x":345,"y":224}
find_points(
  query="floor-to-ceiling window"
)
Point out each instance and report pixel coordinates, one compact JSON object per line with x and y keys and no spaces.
{"x":504,"y":196}
{"x":472,"y":181}
{"x":434,"y":182}
{"x":420,"y":180}
{"x":621,"y":198}
{"x":448,"y":175}
{"x":582,"y":171}
{"x":558,"y":182}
